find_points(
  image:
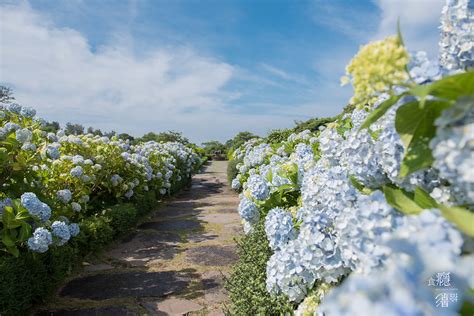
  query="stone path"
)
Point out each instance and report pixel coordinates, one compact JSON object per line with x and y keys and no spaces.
{"x":172,"y":264}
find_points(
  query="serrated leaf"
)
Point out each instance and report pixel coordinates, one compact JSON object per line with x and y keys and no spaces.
{"x":462,"y":218}
{"x":379,"y":111}
{"x":401,"y":200}
{"x":416,"y":128}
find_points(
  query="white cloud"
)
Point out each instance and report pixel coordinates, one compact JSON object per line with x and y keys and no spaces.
{"x":419,"y":20}
{"x":55,"y":70}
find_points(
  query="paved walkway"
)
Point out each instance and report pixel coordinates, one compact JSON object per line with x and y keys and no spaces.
{"x":172,"y":264}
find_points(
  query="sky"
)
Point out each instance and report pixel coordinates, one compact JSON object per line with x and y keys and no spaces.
{"x":207,"y":68}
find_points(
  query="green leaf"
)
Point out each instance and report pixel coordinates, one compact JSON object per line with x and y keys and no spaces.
{"x":462,"y":218}
{"x":25,"y":231}
{"x":453,"y":87}
{"x":423,"y":199}
{"x":14,"y":251}
{"x":359,"y":186}
{"x":379,"y":111}
{"x":416,"y":128}
{"x":269,"y":176}
{"x":6,"y":239}
{"x":401,"y":200}
{"x":449,"y":88}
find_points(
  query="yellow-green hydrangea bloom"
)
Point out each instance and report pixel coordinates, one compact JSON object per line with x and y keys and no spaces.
{"x":377,"y":67}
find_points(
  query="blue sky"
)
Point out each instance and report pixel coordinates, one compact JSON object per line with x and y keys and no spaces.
{"x":207,"y":68}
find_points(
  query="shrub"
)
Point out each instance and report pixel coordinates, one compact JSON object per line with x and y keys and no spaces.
{"x":145,"y":202}
{"x":232,"y":170}
{"x":246,"y":285}
{"x":96,"y":232}
{"x":122,"y":217}
{"x":31,"y":278}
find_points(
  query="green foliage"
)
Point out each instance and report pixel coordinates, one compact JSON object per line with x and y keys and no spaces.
{"x":96,"y":232}
{"x":145,"y":202}
{"x":15,"y":229}
{"x":215,"y":149}
{"x":312,"y":124}
{"x":416,"y":134}
{"x":277,"y":136}
{"x":246,"y":285}
{"x":74,"y":129}
{"x":169,"y":136}
{"x":6,"y":94}
{"x":232,"y":170}
{"x":122,"y":217}
{"x":239,"y":140}
{"x":411,"y":203}
{"x":379,"y":111}
{"x":31,"y":278}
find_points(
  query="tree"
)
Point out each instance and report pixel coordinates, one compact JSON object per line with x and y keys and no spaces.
{"x":239,"y":139}
{"x":126,"y":136}
{"x":312,"y":124}
{"x":6,"y":94}
{"x":214,"y":148}
{"x":110,"y":134}
{"x":169,"y":136}
{"x":52,"y":127}
{"x":74,"y":129}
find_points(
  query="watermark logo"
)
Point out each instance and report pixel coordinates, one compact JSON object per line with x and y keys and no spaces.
{"x":444,"y":291}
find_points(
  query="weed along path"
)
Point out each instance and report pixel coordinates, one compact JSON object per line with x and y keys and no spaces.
{"x":173,"y":263}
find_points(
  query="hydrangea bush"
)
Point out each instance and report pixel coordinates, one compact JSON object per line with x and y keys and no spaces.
{"x":362,"y":212}
{"x":50,"y":181}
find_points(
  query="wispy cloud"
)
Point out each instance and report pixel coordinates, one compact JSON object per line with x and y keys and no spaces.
{"x":282,"y":74}
{"x":345,"y":17}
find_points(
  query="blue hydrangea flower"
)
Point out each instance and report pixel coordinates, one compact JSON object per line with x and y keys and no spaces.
{"x":279,"y":228}
{"x":129,"y":194}
{"x":236,"y":184}
{"x":14,"y":108}
{"x":74,"y":229}
{"x":9,"y":126}
{"x":76,"y":171}
{"x":116,"y":179}
{"x":24,"y":135}
{"x":248,"y":210}
{"x":457,"y":41}
{"x":52,"y":150}
{"x":28,"y":112}
{"x":40,"y":241}
{"x":258,"y":187}
{"x":64,"y":196}
{"x":35,"y":207}
{"x":76,"y":207}
{"x":28,"y":147}
{"x":61,"y":230}
{"x":77,"y":160}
